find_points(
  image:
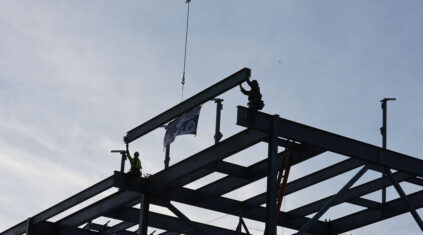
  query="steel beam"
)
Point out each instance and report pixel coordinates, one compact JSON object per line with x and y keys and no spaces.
{"x":100,"y":227}
{"x":166,"y":222}
{"x":407,"y":202}
{"x":196,"y":100}
{"x":416,"y":181}
{"x":332,"y":142}
{"x":62,"y":206}
{"x":235,"y":170}
{"x":311,"y":179}
{"x":271,"y":178}
{"x":49,"y":228}
{"x":220,"y":204}
{"x":184,"y":218}
{"x":204,"y":158}
{"x":143,"y":220}
{"x":358,"y":201}
{"x":118,"y":228}
{"x":256,"y":172}
{"x":99,"y":208}
{"x":354,"y":192}
{"x":365,"y":217}
{"x":332,"y":201}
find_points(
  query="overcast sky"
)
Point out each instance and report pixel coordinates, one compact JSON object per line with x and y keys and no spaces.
{"x":76,"y":75}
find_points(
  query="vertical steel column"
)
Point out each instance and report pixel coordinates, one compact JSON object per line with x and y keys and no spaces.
{"x":143,"y":217}
{"x":404,"y":197}
{"x":218,"y":135}
{"x":332,"y":200}
{"x":122,"y":162}
{"x":167,"y":157}
{"x":28,"y":226}
{"x":271,"y":178}
{"x":383,"y":130}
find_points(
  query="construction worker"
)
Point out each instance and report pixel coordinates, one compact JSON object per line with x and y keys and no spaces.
{"x":254,"y":96}
{"x":135,"y":163}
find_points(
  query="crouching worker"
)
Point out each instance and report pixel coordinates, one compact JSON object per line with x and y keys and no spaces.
{"x":135,"y":163}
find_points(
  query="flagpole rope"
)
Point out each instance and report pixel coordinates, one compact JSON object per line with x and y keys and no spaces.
{"x":185,"y":52}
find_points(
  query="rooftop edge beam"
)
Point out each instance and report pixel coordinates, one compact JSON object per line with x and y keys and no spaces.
{"x":198,"y":99}
{"x":332,"y":142}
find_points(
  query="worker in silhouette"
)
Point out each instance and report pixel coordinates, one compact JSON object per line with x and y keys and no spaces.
{"x":135,"y":163}
{"x":254,"y":96}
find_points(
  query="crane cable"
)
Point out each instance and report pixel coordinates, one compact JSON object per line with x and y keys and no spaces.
{"x":185,"y":53}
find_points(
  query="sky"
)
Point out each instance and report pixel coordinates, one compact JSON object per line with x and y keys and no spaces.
{"x":75,"y":76}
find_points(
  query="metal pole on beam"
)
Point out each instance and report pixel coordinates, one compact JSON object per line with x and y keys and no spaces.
{"x":122,"y":162}
{"x":383,"y":130}
{"x":28,"y":226}
{"x":404,"y":197}
{"x":167,"y":154}
{"x":271,"y":178}
{"x":218,"y":135}
{"x":167,"y":157}
{"x":143,"y":217}
{"x":333,"y":200}
{"x":123,"y":158}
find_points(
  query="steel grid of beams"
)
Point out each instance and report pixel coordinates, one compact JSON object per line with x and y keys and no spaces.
{"x":167,"y":186}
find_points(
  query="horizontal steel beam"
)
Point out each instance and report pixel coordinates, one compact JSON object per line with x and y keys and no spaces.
{"x":354,"y":192}
{"x":255,"y":172}
{"x":213,"y":154}
{"x":311,"y":179}
{"x":166,"y":222}
{"x":196,"y":100}
{"x":365,"y":217}
{"x":332,"y":142}
{"x":227,"y":168}
{"x":62,"y":206}
{"x":216,"y":203}
{"x":103,"y":229}
{"x":365,"y":203}
{"x":111,"y":202}
{"x":118,"y":228}
{"x":49,"y":228}
{"x":416,"y":181}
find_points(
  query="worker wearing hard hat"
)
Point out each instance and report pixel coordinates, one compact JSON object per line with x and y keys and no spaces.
{"x":135,"y":163}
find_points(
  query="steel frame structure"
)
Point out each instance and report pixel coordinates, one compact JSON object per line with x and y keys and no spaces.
{"x":167,"y":186}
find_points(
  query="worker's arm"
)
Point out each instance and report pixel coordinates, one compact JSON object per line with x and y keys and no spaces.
{"x":128,"y":154}
{"x":243,"y":90}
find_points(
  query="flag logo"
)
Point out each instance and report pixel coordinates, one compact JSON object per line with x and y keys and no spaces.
{"x":183,"y":125}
